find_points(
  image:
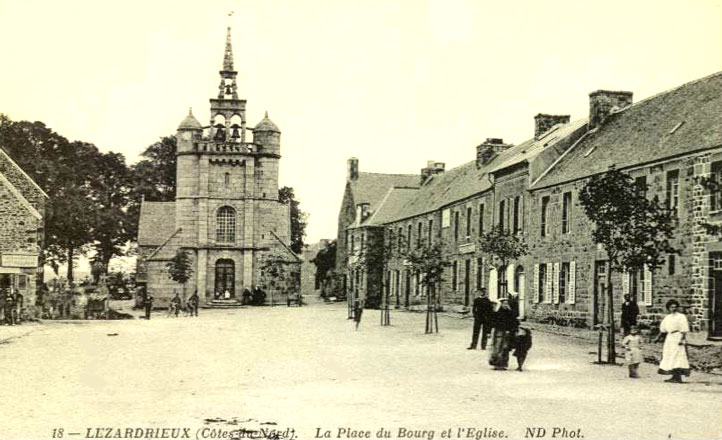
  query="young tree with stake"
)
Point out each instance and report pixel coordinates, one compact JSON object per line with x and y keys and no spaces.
{"x":634,"y":230}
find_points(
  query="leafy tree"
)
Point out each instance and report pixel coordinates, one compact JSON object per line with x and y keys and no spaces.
{"x":63,"y":169}
{"x":325,"y":262}
{"x":426,"y":261}
{"x":298,"y":218}
{"x":113,"y":224}
{"x":154,"y":176}
{"x":634,"y":230}
{"x":180,"y":268}
{"x":277,"y":276}
{"x":501,"y":247}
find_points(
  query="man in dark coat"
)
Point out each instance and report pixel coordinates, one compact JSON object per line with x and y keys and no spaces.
{"x":482,"y":310}
{"x":630,"y":311}
{"x":9,"y":308}
{"x":505,"y":325}
{"x":148,"y":303}
{"x":193,"y":304}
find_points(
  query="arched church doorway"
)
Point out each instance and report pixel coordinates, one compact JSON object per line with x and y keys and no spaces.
{"x":225,"y":279}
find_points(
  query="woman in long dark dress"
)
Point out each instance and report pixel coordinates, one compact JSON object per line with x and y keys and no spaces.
{"x":505,"y":325}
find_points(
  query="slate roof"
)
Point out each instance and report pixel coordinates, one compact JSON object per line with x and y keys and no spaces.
{"x":647,"y":131}
{"x":531,"y":148}
{"x":391,"y":206}
{"x":156,"y":223}
{"x":466,"y":180}
{"x":266,"y":125}
{"x":372,"y":187}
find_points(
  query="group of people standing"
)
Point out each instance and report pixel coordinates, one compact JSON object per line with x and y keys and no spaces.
{"x":175,"y":306}
{"x":190,"y":308}
{"x":673,"y":329}
{"x":501,"y":322}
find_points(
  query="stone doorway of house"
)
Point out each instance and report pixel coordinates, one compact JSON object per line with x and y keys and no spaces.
{"x":715,"y":291}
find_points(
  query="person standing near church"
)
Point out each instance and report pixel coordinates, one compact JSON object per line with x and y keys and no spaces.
{"x":630,"y":311}
{"x":148,"y":303}
{"x":482,"y":310}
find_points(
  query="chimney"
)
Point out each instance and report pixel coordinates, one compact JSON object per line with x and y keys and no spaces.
{"x":352,"y":169}
{"x":543,"y":123}
{"x":603,"y":103}
{"x":431,"y":169}
{"x":488,"y":150}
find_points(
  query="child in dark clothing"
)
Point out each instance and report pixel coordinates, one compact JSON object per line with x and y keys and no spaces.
{"x":522,"y":344}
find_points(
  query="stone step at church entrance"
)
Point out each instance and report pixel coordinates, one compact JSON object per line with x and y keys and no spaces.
{"x":223,"y":304}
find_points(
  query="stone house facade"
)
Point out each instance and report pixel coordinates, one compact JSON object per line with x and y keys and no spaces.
{"x":226,"y":216}
{"x":22,"y":226}
{"x":672,"y":142}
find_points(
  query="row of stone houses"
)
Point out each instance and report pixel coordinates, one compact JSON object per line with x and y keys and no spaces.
{"x":670,"y":141}
{"x":22,"y":226}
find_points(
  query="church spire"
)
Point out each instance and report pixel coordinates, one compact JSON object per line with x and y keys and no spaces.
{"x":228,"y":89}
{"x":228,"y":56}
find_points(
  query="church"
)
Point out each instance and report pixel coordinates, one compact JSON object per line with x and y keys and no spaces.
{"x":226,"y":216}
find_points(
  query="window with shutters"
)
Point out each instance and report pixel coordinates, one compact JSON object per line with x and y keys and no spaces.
{"x":647,"y":287}
{"x":640,"y":183}
{"x":502,"y":211}
{"x":636,"y":284}
{"x":673,"y":191}
{"x":481,"y":219}
{"x":548,"y":288}
{"x":563,"y":282}
{"x":468,"y":222}
{"x":456,"y":225}
{"x":542,"y":280}
{"x":503,"y":282}
{"x":226,"y":225}
{"x":566,"y":212}
{"x":535,"y":293}
{"x":555,"y":283}
{"x":544,"y":215}
{"x":572,"y":291}
{"x":479,"y":273}
{"x":516,"y":222}
{"x":454,"y":275}
{"x":715,"y":182}
{"x":431,"y":231}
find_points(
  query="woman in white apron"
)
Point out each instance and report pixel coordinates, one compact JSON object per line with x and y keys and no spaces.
{"x":674,"y":354}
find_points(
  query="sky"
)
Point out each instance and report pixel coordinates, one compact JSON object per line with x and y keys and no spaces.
{"x":392,"y":82}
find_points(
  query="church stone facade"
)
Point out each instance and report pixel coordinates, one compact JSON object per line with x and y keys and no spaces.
{"x":227,"y":215}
